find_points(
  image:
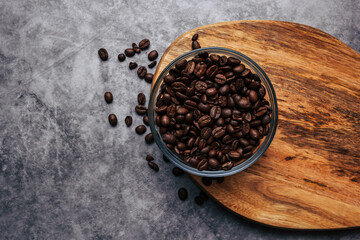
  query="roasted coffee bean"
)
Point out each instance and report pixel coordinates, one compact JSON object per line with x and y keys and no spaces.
{"x":262,"y":92}
{"x":113,"y":120}
{"x":141,"y":72}
{"x":149,"y":77}
{"x":265,"y":119}
{"x":246,"y":128}
{"x":149,"y":157}
{"x":103,"y":54}
{"x":233,"y":61}
{"x":244,"y":103}
{"x":211,"y":92}
{"x":153,"y":166}
{"x":211,"y":71}
{"x":149,"y":138}
{"x":141,"y":129}
{"x":202,"y":165}
{"x":206,"y":181}
{"x":153,"y":55}
{"x":132,"y":65}
{"x":204,"y":121}
{"x":128,"y":121}
{"x":183,"y":194}
{"x":215,"y":112}
{"x":254,"y":134}
{"x":129,"y":52}
{"x":164,"y":121}
{"x":152,"y":64}
{"x":140,"y":109}
{"x":169,"y":138}
{"x":218,"y":132}
{"x":200,"y":69}
{"x":177,"y":171}
{"x":226,"y":112}
{"x":144,"y":44}
{"x":213,"y":163}
{"x":136,"y":48}
{"x":261,"y":111}
{"x":108,"y":97}
{"x":234,"y":155}
{"x":180,"y":65}
{"x":121,"y":57}
{"x":239,"y":69}
{"x":253,"y":96}
{"x":146,"y":120}
{"x":141,"y":98}
{"x":205,"y":133}
{"x":227,"y":166}
{"x":195,"y":37}
{"x":220,"y":79}
{"x":195,"y":45}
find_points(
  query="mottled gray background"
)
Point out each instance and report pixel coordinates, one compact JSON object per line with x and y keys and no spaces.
{"x":64,"y":172}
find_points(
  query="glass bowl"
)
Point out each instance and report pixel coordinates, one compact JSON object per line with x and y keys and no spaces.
{"x":270,"y":96}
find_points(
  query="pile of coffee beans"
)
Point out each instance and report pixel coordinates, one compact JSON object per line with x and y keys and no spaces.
{"x":211,"y":111}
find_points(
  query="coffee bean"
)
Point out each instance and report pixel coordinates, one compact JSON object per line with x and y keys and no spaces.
{"x":135,"y":48}
{"x":164,"y":121}
{"x":129,"y":52}
{"x":227,"y":166}
{"x":254,"y":134}
{"x":121,"y":57}
{"x":218,"y":132}
{"x":153,"y":166}
{"x":204,"y":121}
{"x":108,"y":97}
{"x":149,"y":157}
{"x":152,"y":64}
{"x":213,"y":163}
{"x":195,"y":45}
{"x":202,"y":165}
{"x":169,"y":138}
{"x":153,"y":55}
{"x":234,"y":155}
{"x":199,"y":201}
{"x":183,"y":194}
{"x":253,"y":96}
{"x":265,"y":119}
{"x":141,"y":98}
{"x":140,"y":109}
{"x":103,"y":54}
{"x":205,"y":133}
{"x":149,"y":77}
{"x":200,"y":69}
{"x":128,"y":121}
{"x":206,"y":181}
{"x":195,"y":37}
{"x":141,"y":72}
{"x":146,"y":120}
{"x":113,"y":120}
{"x":141,"y":129}
{"x":190,"y":67}
{"x":215,"y":112}
{"x":149,"y":138}
{"x":177,"y":171}
{"x":144,"y":44}
{"x":132,"y":65}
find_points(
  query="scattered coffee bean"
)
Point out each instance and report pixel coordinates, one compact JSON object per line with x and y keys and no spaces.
{"x":113,"y":119}
{"x":128,"y":121}
{"x":206,"y":181}
{"x":149,"y":77}
{"x":149,"y":138}
{"x":103,"y":54}
{"x":141,"y":98}
{"x":153,"y":166}
{"x":121,"y":57}
{"x":149,"y":157}
{"x":177,"y":171}
{"x":195,"y":37}
{"x":132,"y":65}
{"x":141,"y":72}
{"x":136,"y":48}
{"x":129,"y":52}
{"x":195,"y":45}
{"x":166,"y":159}
{"x":146,"y":120}
{"x":183,"y":194}
{"x":152,"y":64}
{"x":141,"y":129}
{"x":198,"y":200}
{"x":153,"y":55}
{"x":144,"y":44}
{"x":140,"y":109}
{"x":108,"y":97}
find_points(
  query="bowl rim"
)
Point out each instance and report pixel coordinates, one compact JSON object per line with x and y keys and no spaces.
{"x":215,"y":173}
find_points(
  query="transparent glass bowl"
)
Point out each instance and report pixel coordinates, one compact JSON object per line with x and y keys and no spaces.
{"x":270,"y":96}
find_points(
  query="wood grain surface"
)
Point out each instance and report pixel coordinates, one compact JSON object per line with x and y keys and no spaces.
{"x":309,"y":178}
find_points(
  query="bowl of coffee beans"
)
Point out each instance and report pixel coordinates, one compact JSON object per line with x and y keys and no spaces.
{"x":213,"y":112}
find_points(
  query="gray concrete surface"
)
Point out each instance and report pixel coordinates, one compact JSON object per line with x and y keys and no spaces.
{"x":64,"y":172}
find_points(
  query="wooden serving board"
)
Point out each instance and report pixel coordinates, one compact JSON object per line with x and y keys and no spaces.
{"x":309,"y":178}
